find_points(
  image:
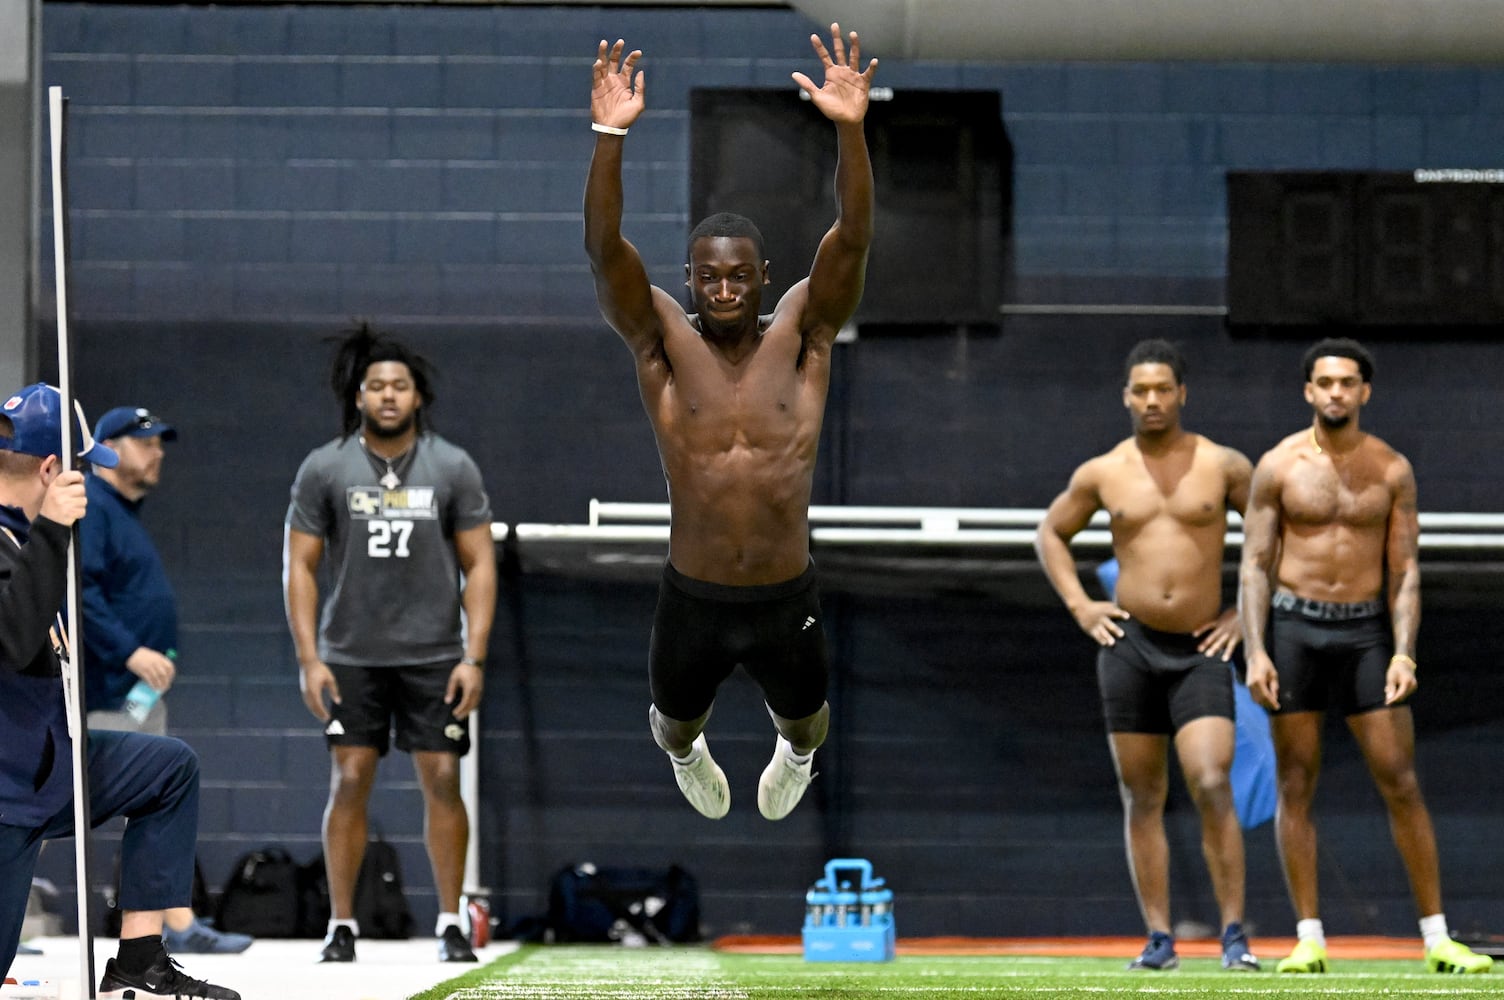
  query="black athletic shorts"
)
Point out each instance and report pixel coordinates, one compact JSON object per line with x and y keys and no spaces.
{"x":373,"y":700}
{"x":1156,"y":682}
{"x":1326,"y":660}
{"x":702,"y":631}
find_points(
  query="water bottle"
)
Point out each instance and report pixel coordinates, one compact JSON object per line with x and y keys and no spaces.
{"x":845,"y":905}
{"x":882,"y":902}
{"x":140,"y":701}
{"x":143,"y":697}
{"x":816,"y":905}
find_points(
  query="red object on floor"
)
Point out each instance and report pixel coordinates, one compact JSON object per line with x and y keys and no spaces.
{"x":480,"y":921}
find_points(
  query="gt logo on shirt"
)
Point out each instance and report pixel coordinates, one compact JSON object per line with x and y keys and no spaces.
{"x":363,"y":501}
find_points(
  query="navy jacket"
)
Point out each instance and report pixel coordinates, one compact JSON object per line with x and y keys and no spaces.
{"x":127,"y":599}
{"x":36,"y":768}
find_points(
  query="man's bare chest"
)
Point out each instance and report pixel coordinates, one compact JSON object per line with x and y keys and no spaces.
{"x":1192,"y":497}
{"x":1321,"y":494}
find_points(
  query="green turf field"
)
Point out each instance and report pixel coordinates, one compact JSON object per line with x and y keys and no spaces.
{"x":576,"y":972}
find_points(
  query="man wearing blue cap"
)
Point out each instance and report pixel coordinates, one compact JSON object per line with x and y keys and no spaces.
{"x":130,"y":619}
{"x":130,"y":609}
{"x":152,"y":779}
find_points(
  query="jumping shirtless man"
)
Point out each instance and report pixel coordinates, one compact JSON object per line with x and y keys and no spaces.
{"x":1165,"y":639}
{"x":1330,"y":605}
{"x":736,"y":400}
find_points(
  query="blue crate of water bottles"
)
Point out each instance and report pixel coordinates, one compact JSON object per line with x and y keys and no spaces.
{"x":848,"y":915}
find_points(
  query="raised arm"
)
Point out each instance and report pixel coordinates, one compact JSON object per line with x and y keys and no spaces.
{"x":1070,"y":512}
{"x":1402,"y":559}
{"x":1256,"y":571}
{"x":621,"y":281}
{"x":839,"y":270}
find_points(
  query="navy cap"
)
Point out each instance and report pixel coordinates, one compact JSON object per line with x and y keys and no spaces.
{"x":35,"y":415}
{"x":133,"y":421}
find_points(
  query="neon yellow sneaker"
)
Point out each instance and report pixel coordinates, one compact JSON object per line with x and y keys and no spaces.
{"x":1308,"y":956}
{"x":1453,"y":956}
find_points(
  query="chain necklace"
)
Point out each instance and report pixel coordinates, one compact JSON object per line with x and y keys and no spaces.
{"x":391,"y":478}
{"x":1332,"y":453}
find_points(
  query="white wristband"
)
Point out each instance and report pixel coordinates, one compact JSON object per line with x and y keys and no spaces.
{"x":608,"y":129}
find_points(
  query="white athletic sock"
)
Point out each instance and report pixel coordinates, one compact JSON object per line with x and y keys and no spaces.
{"x":1434,"y":929}
{"x":354,"y":927}
{"x":1310,"y":930}
{"x":446,"y":921}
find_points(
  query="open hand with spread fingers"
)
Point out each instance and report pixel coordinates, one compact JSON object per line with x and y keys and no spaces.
{"x":615,"y":95}
{"x":843,"y":95}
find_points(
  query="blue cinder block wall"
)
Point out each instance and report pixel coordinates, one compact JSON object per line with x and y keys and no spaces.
{"x":244,"y":180}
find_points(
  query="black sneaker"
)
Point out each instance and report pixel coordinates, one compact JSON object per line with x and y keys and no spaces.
{"x":165,"y":978}
{"x":1236,"y":955}
{"x":454,"y":948}
{"x":1158,"y":955}
{"x":339,"y":946}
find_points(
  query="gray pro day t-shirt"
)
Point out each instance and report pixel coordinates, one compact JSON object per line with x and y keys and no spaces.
{"x":395,"y":597}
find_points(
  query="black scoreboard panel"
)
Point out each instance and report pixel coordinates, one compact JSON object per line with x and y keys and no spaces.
{"x":1365,"y":248}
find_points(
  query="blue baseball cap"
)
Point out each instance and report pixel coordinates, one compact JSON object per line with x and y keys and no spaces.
{"x":35,"y":415}
{"x":133,"y":421}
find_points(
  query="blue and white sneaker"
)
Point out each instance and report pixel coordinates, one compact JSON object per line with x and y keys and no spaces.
{"x":1158,"y":955}
{"x":1237,"y":956}
{"x":198,"y":938}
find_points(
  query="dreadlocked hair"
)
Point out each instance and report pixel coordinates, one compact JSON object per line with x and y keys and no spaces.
{"x":357,"y":350}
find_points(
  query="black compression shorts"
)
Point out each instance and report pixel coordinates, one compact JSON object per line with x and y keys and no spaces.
{"x":1156,"y":682}
{"x":702,"y":631}
{"x":1330,"y":662}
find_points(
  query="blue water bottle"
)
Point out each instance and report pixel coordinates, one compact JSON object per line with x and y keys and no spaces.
{"x":143,"y":697}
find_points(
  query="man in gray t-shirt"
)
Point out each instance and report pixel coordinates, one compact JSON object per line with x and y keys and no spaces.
{"x":397,"y":516}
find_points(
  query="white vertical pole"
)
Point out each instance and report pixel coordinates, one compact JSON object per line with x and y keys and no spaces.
{"x":72,"y":661}
{"x":470,"y":793}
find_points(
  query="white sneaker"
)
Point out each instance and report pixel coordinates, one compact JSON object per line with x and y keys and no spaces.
{"x":783,"y":782}
{"x":702,"y":781}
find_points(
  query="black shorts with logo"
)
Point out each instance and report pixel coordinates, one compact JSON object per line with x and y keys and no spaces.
{"x":374,"y":700}
{"x":1329,"y":656}
{"x":703,"y":631}
{"x":1156,"y":682}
